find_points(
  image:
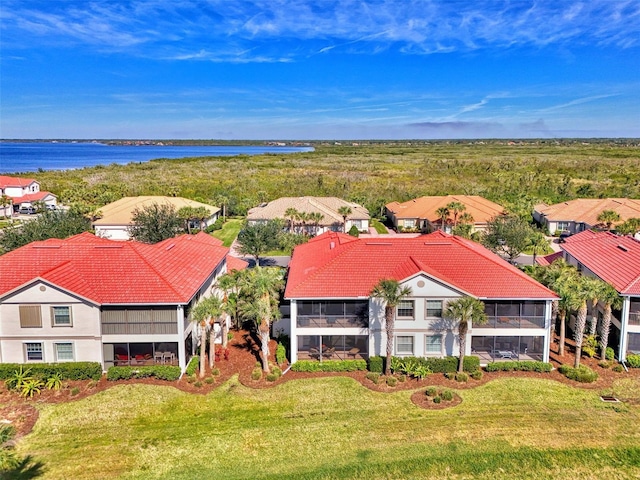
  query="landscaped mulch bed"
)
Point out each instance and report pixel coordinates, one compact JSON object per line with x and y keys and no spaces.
{"x":244,"y":354}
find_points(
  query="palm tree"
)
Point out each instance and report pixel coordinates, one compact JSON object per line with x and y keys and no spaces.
{"x":443,"y":215}
{"x":610,"y":298}
{"x":5,"y":201}
{"x":303,"y":218}
{"x":456,"y":208}
{"x":466,"y":218}
{"x":391,"y":293}
{"x":229,"y":283}
{"x":631,"y":226}
{"x":263,"y":286}
{"x":223,"y":201}
{"x":538,"y":242}
{"x":315,"y":218}
{"x":204,"y":315}
{"x":465,"y":310}
{"x":608,"y":217}
{"x":291,"y":214}
{"x":345,"y":211}
{"x":594,"y":288}
{"x":582,"y":289}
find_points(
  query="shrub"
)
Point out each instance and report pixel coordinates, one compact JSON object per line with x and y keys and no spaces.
{"x":192,"y":366}
{"x":191,"y":378}
{"x":31,"y":387}
{"x":402,"y":378}
{"x":271,"y":377}
{"x":376,"y":364}
{"x":431,"y":392}
{"x":18,"y":378}
{"x":618,"y":368}
{"x":75,"y":391}
{"x":54,"y":382}
{"x":373,"y":376}
{"x":582,"y":374}
{"x":477,"y":375}
{"x":436,"y":400}
{"x":590,"y":346}
{"x":329,"y":366}
{"x":392,"y":381}
{"x":609,"y":354}
{"x":447,"y":395}
{"x":281,"y":354}
{"x":209,"y":380}
{"x":215,"y":371}
{"x":457,"y":376}
{"x":276,"y":371}
{"x":633,"y":360}
{"x":604,"y":364}
{"x":198,"y":384}
{"x":256,"y":374}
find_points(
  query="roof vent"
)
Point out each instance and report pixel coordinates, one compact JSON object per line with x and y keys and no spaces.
{"x":623,"y":248}
{"x":46,"y":246}
{"x":108,"y":246}
{"x":170,"y":246}
{"x":384,"y":244}
{"x":332,"y":245}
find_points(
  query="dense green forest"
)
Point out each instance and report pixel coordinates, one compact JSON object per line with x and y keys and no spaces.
{"x":514,"y":174}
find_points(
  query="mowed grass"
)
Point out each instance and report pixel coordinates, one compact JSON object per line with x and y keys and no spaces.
{"x":329,"y":428}
{"x":229,"y":231}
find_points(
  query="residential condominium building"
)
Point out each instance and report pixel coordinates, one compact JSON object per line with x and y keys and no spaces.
{"x":575,"y":216}
{"x":423,"y":213}
{"x":327,"y":210}
{"x":616,"y":260}
{"x":118,"y":303}
{"x":332,"y":313}
{"x":23,"y":192}
{"x":116,"y":217}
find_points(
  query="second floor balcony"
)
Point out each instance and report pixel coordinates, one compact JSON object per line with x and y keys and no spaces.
{"x":512,"y":322}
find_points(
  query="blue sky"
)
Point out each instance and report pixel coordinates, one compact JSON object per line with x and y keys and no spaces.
{"x":294,"y":69}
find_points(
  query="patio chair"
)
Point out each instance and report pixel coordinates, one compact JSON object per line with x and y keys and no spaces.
{"x":328,"y":353}
{"x":353,"y":352}
{"x":158,"y":357}
{"x":314,"y":353}
{"x":168,"y":357}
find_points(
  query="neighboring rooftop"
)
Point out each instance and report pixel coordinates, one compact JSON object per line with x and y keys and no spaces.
{"x":340,"y":266}
{"x":111,"y":272}
{"x":6,"y":181}
{"x":327,"y":206}
{"x":121,"y":211}
{"x":481,"y":209}
{"x":586,"y":210}
{"x":613,"y":258}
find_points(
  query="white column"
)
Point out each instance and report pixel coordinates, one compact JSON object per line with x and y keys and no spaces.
{"x":293,"y":329}
{"x":548,"y":327}
{"x":182,"y":354}
{"x":624,"y":324}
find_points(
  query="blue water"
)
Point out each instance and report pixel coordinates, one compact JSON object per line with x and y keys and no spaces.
{"x":31,"y":157}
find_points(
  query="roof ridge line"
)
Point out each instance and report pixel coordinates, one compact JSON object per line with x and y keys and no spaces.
{"x":133,"y":246}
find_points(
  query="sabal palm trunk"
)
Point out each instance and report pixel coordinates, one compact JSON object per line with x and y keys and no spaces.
{"x":581,"y":320}
{"x":563,"y":318}
{"x":203,"y":348}
{"x":212,"y":344}
{"x":225,"y":330}
{"x":604,"y":332}
{"x":594,"y":319}
{"x":390,"y":327}
{"x":462,"y":339}
{"x":264,"y":341}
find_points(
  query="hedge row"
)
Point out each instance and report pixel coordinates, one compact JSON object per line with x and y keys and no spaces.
{"x":161,"y":372}
{"x":435,"y":365}
{"x":633,"y":360}
{"x":329,"y":366}
{"x":523,"y":366}
{"x":43,"y":371}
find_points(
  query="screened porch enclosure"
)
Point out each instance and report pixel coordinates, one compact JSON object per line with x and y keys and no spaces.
{"x":333,"y":313}
{"x":332,"y":347}
{"x":496,"y":349}
{"x":138,"y":354}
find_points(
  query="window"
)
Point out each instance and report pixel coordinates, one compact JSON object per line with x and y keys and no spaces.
{"x":404,"y":345}
{"x":433,"y":344}
{"x":34,"y":352}
{"x":434,"y":308}
{"x":64,"y":351}
{"x":409,"y":223}
{"x":30,"y":316}
{"x":405,"y":309}
{"x":563,"y":226}
{"x":61,"y":316}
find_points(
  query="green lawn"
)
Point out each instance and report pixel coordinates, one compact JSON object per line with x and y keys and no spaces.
{"x":334,"y":428}
{"x":380,"y":228}
{"x":229,"y":231}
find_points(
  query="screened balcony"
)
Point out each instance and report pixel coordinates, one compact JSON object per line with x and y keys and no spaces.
{"x":333,"y":314}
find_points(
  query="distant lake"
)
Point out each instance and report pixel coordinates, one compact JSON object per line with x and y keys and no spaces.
{"x":30,"y":157}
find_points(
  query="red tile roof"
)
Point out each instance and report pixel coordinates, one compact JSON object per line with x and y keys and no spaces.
{"x":334,"y":265}
{"x":111,"y":272}
{"x":32,"y":197}
{"x":6,"y":181}
{"x":613,"y":258}
{"x":481,"y":209}
{"x":235,"y":263}
{"x":545,"y":260}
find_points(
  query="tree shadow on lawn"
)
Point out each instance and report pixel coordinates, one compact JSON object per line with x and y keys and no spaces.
{"x":26,"y":469}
